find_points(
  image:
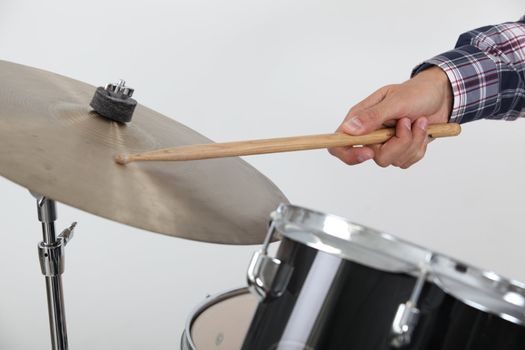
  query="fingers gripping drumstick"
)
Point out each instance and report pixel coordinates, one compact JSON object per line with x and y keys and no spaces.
{"x":285,"y":144}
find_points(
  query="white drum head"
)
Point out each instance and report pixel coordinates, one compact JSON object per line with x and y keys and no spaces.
{"x":221,"y":322}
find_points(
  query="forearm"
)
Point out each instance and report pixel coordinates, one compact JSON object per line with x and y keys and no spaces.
{"x":486,"y":72}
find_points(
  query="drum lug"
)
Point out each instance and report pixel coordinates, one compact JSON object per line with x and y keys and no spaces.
{"x":407,"y":315}
{"x":267,"y":276}
{"x":405,"y":321}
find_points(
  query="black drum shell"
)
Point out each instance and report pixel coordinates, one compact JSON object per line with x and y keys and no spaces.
{"x":358,"y":311}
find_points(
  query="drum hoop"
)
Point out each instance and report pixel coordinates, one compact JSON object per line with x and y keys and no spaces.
{"x":203,"y":306}
{"x":486,"y":281}
{"x":372,"y":234}
{"x":473,"y":278}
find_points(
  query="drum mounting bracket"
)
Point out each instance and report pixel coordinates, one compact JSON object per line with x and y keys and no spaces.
{"x":268,"y":276}
{"x":407,"y":315}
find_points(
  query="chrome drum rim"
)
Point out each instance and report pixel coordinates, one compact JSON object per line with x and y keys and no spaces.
{"x":481,"y":289}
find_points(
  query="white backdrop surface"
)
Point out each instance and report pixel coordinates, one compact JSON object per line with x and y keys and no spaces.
{"x":244,"y":69}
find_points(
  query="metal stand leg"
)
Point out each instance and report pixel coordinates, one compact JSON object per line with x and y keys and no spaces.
{"x":51,"y":252}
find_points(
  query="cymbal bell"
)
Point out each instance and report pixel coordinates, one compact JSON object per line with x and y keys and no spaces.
{"x":52,"y":143}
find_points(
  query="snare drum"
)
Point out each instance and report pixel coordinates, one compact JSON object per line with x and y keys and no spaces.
{"x":335,"y":285}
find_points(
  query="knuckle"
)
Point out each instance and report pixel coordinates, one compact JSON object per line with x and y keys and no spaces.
{"x":345,"y":156}
{"x":349,"y":161}
{"x":382,"y":162}
{"x":389,"y":88}
{"x":399,"y":161}
{"x":420,"y":154}
{"x":381,"y":91}
{"x":353,"y":109}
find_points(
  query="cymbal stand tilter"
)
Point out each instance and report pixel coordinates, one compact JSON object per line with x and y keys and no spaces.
{"x":51,"y":254}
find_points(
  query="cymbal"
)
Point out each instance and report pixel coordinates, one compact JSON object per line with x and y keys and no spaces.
{"x":52,"y":143}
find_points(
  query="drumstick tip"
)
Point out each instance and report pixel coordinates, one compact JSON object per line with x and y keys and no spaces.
{"x":122,"y":159}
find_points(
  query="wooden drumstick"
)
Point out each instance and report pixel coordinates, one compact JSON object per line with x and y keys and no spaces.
{"x":284,"y":144}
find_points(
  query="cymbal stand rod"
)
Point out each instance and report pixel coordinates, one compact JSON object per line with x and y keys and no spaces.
{"x":51,"y":251}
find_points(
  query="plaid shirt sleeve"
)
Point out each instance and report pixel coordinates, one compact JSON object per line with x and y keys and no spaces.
{"x":487,"y":73}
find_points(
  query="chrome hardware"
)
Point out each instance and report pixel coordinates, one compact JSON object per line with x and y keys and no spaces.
{"x":481,"y":289}
{"x":267,"y":276}
{"x":407,"y":315}
{"x":405,"y":321}
{"x":51,"y":255}
{"x":47,"y":210}
{"x":120,"y":89}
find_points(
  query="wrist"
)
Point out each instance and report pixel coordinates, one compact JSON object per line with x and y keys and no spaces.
{"x":446,"y":87}
{"x":439,"y":79}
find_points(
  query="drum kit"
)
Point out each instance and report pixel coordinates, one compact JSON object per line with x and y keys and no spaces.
{"x":331,"y":284}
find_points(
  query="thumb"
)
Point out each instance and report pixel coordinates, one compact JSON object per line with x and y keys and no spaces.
{"x":367,"y":120}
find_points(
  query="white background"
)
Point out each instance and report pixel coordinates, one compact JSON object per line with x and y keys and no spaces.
{"x":237,"y":69}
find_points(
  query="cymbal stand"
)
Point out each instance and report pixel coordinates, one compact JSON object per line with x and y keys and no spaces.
{"x":51,"y":255}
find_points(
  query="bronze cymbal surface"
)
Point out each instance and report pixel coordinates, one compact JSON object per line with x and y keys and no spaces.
{"x":52,"y":143}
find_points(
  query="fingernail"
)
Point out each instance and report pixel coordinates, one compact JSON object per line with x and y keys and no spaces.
{"x":422,"y":123}
{"x":363,"y":157}
{"x":408,"y":124}
{"x":354,"y":124}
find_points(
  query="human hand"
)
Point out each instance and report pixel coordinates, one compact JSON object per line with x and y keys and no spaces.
{"x":411,"y":107}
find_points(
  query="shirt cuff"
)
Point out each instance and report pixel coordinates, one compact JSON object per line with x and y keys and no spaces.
{"x":474,"y":80}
